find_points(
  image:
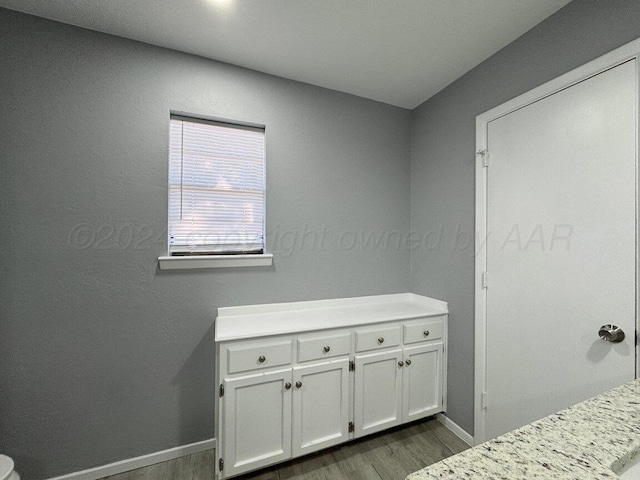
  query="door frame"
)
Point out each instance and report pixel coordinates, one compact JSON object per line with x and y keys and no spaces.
{"x":618,"y":56}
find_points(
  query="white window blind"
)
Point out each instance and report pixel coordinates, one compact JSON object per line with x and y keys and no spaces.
{"x":216,"y":188}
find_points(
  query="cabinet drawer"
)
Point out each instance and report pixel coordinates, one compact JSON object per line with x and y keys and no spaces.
{"x":376,"y":339}
{"x":326,"y":346}
{"x":241,"y":358}
{"x":428,"y":329}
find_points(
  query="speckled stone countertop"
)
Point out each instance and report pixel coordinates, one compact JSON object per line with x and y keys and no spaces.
{"x":594,"y":439}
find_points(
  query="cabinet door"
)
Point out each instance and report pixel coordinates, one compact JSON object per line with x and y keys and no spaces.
{"x":378,"y":392}
{"x":257,"y":421}
{"x":422,"y":382}
{"x":320,"y":406}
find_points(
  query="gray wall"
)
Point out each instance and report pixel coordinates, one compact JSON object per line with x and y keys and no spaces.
{"x":102,"y":356}
{"x":443,"y":168}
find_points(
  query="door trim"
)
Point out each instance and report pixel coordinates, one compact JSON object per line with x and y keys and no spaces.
{"x":621,"y":55}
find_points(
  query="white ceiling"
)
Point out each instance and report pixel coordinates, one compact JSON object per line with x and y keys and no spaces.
{"x":399,"y":52}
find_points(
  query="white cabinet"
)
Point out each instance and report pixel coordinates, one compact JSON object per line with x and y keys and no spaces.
{"x":320,"y":406}
{"x":422,"y":381}
{"x":252,"y":356}
{"x":297,"y":378}
{"x":256,"y":421}
{"x":378,"y":392}
{"x":397,"y":386}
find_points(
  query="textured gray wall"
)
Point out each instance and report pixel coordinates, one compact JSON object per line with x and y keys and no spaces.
{"x":102,"y":356}
{"x":443,"y":168}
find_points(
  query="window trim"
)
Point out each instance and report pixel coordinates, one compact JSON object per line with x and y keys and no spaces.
{"x":215,"y":261}
{"x":187,"y":262}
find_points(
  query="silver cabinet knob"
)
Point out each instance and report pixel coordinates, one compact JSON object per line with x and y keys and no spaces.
{"x":381,"y":340}
{"x":408,"y":362}
{"x":262,"y":359}
{"x":287,"y":386}
{"x":298,"y":384}
{"x":400,"y":363}
{"x":611,"y":333}
{"x":327,"y":349}
{"x":426,"y":333}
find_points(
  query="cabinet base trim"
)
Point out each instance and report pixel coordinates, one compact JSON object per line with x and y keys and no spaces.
{"x":455,"y":429}
{"x":139,"y":462}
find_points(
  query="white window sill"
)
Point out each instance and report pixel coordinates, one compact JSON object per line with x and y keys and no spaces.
{"x":215,"y":261}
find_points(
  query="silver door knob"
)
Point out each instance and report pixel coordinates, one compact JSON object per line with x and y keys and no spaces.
{"x":426,"y":333}
{"x":408,"y":362}
{"x":400,"y":363}
{"x":611,"y":333}
{"x":262,"y":358}
{"x":287,"y":386}
{"x":381,"y":340}
{"x":298,"y":384}
{"x":327,"y":349}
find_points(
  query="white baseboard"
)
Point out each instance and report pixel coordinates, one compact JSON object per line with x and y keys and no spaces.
{"x":456,"y":429}
{"x":139,"y":462}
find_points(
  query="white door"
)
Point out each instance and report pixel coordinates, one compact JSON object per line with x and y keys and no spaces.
{"x":561,"y":249}
{"x":320,"y":406}
{"x":422,"y":381}
{"x":257,"y":421}
{"x":378,"y":392}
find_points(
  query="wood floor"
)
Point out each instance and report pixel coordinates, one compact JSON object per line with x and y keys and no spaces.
{"x":390,"y":455}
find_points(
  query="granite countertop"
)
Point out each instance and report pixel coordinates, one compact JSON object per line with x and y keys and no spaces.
{"x":594,"y":439}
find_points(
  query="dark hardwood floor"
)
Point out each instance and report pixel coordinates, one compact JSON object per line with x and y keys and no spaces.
{"x":389,"y":455}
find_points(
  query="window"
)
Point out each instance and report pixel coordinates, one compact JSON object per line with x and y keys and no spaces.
{"x":216,"y":188}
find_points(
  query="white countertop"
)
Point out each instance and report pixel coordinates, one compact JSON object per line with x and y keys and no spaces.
{"x":234,"y":323}
{"x":594,"y":439}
